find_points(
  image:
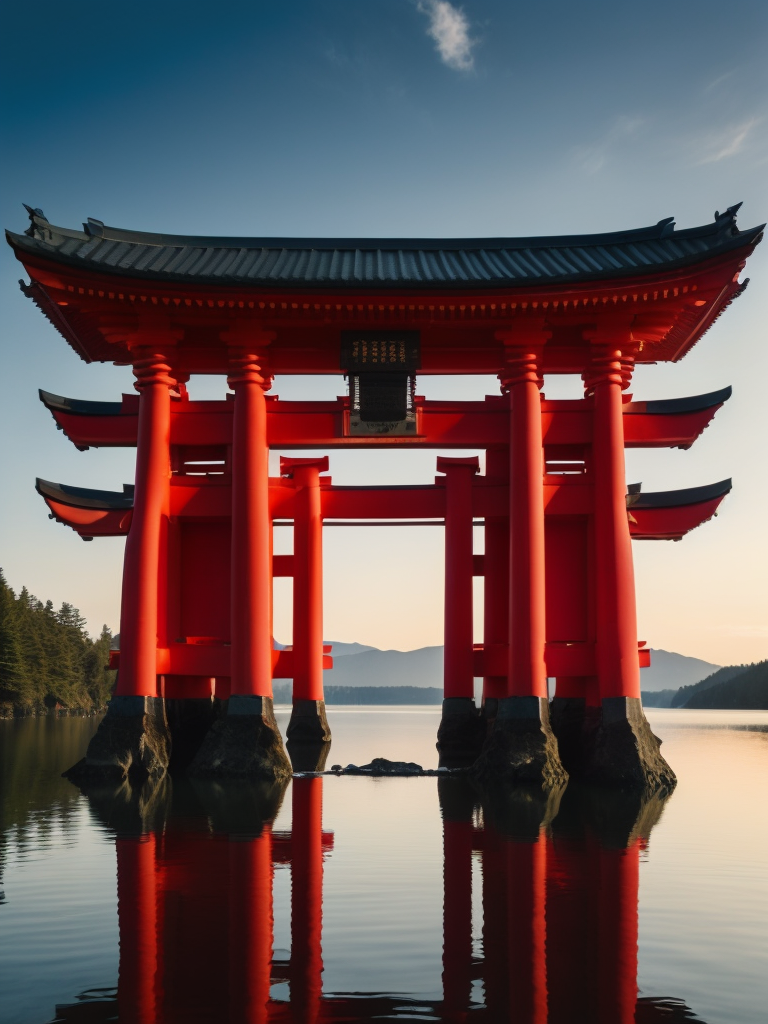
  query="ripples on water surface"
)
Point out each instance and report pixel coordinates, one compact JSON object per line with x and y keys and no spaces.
{"x":411,"y":900}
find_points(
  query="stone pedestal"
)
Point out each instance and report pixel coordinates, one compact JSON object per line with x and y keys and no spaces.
{"x":132,"y":741}
{"x":309,"y":723}
{"x":244,"y":743}
{"x":521,"y":746}
{"x":461,"y":733}
{"x":610,"y":745}
{"x":189,"y":721}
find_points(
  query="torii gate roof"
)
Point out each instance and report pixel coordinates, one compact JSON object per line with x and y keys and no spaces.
{"x":99,"y":286}
{"x":363,"y":263}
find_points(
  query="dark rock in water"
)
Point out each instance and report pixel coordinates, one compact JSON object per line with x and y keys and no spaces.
{"x":132,"y":740}
{"x":521,"y":747}
{"x":381,"y":766}
{"x":245,"y":743}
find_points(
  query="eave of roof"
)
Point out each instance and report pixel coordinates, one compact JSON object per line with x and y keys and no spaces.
{"x":381,"y":263}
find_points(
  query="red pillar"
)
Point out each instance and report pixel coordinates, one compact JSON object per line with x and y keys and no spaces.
{"x":617,"y":662}
{"x":527,"y":616}
{"x":142,"y":568}
{"x":250,"y":927}
{"x":307,"y":576}
{"x":251,"y":529}
{"x":458,"y":665}
{"x":496,"y":575}
{"x":137,"y":909}
{"x":306,"y":899}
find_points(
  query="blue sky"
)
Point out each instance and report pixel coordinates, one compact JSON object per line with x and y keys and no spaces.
{"x":392,"y":117}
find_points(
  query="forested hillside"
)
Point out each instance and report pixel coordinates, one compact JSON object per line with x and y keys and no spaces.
{"x":47,"y":659}
{"x":722,"y":675}
{"x":748,"y":691}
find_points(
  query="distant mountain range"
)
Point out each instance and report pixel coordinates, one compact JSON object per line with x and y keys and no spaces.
{"x":357,"y":665}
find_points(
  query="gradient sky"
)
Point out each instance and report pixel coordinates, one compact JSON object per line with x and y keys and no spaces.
{"x":392,"y":117}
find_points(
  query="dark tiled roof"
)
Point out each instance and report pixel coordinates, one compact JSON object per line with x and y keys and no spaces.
{"x":443,"y":263}
{"x":85,"y":497}
{"x":676,"y":499}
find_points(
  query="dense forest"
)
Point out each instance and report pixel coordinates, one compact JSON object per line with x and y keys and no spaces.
{"x":747,"y":691}
{"x":723,"y":675}
{"x":47,"y":659}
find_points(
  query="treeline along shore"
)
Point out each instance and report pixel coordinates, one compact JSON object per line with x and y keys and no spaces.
{"x":731,"y":688}
{"x":47,"y":659}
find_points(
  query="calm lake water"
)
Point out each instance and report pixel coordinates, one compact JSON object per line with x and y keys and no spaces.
{"x":411,"y":899}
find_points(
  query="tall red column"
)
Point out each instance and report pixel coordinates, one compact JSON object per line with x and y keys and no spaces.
{"x":307,"y":576}
{"x":527,"y":625}
{"x":496,"y":577}
{"x":142,"y":568}
{"x":617,"y":662}
{"x":251,"y":666}
{"x":306,"y":899}
{"x":458,"y":666}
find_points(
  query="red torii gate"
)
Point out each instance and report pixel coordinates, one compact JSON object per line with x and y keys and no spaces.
{"x":196,"y":611}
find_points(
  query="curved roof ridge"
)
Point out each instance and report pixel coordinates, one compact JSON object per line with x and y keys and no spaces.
{"x":663,"y":229}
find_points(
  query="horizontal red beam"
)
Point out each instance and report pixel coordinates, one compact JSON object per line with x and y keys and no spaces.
{"x":211,"y":660}
{"x":561,"y":659}
{"x":208,"y":498}
{"x":307,"y":425}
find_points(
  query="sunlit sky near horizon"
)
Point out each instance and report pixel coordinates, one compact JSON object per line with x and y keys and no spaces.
{"x":398,"y":118}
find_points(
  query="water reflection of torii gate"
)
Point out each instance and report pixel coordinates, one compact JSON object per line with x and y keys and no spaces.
{"x":559,"y":903}
{"x":196,"y":616}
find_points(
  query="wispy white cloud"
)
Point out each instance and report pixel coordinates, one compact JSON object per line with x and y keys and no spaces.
{"x":728,"y":142}
{"x":717,"y":81}
{"x":449,"y":28}
{"x":593,"y":156}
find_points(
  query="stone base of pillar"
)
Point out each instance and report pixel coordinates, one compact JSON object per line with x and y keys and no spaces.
{"x":461,"y":733}
{"x":243,"y":743}
{"x":189,"y":721}
{"x":308,"y":757}
{"x":610,"y":745}
{"x":132,"y":740}
{"x":521,"y":746}
{"x":309,"y":723}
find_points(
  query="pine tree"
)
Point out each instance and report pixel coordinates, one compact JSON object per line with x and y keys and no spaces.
{"x":12,"y":670}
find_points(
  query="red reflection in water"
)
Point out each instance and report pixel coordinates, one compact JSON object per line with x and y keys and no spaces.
{"x":559,"y":935}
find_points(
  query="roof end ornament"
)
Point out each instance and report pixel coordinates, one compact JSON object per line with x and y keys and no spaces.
{"x":94,"y":227}
{"x":727,"y":219}
{"x":35,"y":215}
{"x":666,"y":227}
